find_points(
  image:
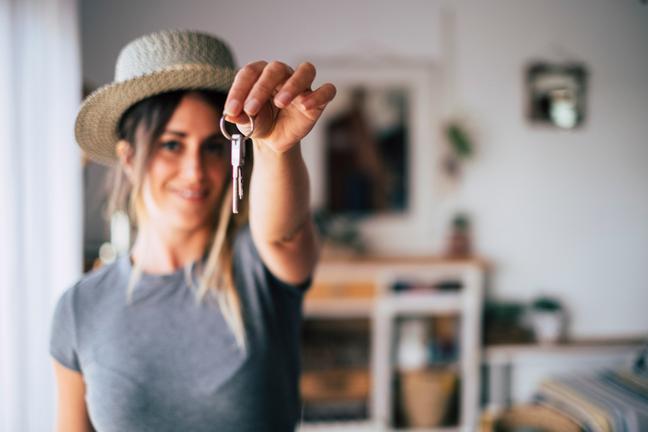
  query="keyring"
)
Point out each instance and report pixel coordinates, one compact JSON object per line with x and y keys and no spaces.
{"x":227,"y":135}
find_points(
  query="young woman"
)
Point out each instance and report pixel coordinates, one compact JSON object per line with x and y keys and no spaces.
{"x":197,"y":329}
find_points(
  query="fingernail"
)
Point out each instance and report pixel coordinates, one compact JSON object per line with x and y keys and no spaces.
{"x":283,"y":98}
{"x":252,"y":106}
{"x":232,"y":107}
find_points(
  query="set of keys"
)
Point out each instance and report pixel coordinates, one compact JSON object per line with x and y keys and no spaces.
{"x":237,"y":141}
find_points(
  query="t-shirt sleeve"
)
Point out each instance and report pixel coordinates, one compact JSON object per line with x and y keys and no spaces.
{"x":276,"y":282}
{"x":63,"y":341}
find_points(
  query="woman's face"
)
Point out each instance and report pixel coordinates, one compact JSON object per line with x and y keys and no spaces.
{"x":188,"y":168}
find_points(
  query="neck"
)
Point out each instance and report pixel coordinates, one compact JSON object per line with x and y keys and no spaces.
{"x":160,"y":251}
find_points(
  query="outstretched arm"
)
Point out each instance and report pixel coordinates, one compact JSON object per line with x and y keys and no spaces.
{"x":286,"y":109}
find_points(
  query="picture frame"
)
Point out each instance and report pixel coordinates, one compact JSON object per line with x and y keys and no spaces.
{"x":406,"y":230}
{"x":556,"y":94}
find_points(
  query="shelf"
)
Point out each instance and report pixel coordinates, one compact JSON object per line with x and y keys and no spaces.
{"x":401,"y":260}
{"x":496,"y":354}
{"x":366,"y":426}
{"x":422,"y":303}
{"x":411,"y":303}
{"x":347,"y":426}
{"x":435,"y":429}
{"x":338,"y":308}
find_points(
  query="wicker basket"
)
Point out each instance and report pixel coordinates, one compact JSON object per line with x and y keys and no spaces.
{"x":425,"y":396}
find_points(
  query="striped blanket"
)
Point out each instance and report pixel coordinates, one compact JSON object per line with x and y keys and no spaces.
{"x":607,"y":401}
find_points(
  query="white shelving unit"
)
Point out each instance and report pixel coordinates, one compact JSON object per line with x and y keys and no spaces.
{"x":383,"y":309}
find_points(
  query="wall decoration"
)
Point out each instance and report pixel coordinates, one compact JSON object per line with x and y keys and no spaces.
{"x":459,"y":148}
{"x":366,"y":150}
{"x":374,"y":153}
{"x":556,"y":94}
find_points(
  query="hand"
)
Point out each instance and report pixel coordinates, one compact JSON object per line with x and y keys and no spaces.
{"x":284,"y":106}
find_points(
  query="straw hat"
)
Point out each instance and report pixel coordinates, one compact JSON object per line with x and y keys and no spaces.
{"x":152,"y":64}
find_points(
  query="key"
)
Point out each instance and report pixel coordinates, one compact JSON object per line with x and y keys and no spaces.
{"x":238,"y":160}
{"x":237,"y":141}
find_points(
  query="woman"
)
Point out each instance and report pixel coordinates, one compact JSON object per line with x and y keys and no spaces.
{"x":197,"y":328}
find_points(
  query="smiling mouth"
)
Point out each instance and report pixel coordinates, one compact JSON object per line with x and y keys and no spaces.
{"x":191,"y":195}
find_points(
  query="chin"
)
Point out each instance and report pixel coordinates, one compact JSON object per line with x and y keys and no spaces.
{"x":188,"y":226}
{"x":183,"y":219}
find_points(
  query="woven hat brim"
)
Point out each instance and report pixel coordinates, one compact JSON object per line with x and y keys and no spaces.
{"x":96,"y":124}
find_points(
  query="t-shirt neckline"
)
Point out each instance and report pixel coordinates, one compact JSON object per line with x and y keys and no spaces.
{"x":127,"y":265}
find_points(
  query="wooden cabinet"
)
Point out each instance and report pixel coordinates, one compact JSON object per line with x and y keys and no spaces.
{"x":378,"y":294}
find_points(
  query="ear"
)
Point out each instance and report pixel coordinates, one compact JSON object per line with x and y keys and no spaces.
{"x":126,"y":154}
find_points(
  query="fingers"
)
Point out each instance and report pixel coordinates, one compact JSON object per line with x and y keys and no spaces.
{"x":274,"y":74}
{"x":260,"y":82}
{"x":297,"y":84}
{"x":319,"y":98}
{"x":243,"y":83}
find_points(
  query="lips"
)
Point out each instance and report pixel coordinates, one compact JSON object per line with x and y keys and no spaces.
{"x":193,"y":195}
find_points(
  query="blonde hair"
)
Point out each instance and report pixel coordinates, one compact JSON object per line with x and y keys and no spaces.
{"x":141,"y":126}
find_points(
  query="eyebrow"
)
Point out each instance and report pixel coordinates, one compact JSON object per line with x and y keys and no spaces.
{"x":178,"y":133}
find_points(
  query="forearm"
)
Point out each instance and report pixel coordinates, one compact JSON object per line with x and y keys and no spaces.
{"x":279,"y":194}
{"x":280,"y":218}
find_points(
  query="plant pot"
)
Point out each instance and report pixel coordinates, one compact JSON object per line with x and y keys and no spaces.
{"x":548,"y":326}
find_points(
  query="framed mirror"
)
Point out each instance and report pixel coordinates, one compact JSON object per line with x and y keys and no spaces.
{"x":372,"y":154}
{"x":556,"y":94}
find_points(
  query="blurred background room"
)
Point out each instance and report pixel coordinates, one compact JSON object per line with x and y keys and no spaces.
{"x":481,"y":182}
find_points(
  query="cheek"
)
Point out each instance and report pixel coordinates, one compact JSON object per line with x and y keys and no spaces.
{"x":161,"y":166}
{"x":157,"y":176}
{"x":159,"y":172}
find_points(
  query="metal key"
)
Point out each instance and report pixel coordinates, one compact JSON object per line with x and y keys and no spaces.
{"x":238,"y":160}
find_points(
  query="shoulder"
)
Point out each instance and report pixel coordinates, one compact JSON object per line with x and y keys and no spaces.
{"x":98,"y":277}
{"x":93,"y":288}
{"x":76,"y":307}
{"x":79,"y":305}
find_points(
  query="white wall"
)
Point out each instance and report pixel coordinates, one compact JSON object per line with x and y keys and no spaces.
{"x":556,"y":212}
{"x":286,"y":29}
{"x":562,"y":212}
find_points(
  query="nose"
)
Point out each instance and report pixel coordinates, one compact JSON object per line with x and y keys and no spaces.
{"x":193,"y":166}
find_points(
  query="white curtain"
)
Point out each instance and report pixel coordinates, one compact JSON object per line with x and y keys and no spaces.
{"x":40,"y":198}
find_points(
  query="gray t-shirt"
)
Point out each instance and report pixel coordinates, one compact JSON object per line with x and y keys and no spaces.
{"x":165,"y":363}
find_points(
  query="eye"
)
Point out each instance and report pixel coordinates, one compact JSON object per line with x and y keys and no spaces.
{"x":171,"y":145}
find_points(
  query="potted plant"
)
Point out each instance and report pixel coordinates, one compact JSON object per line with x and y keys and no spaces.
{"x":547,"y":318}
